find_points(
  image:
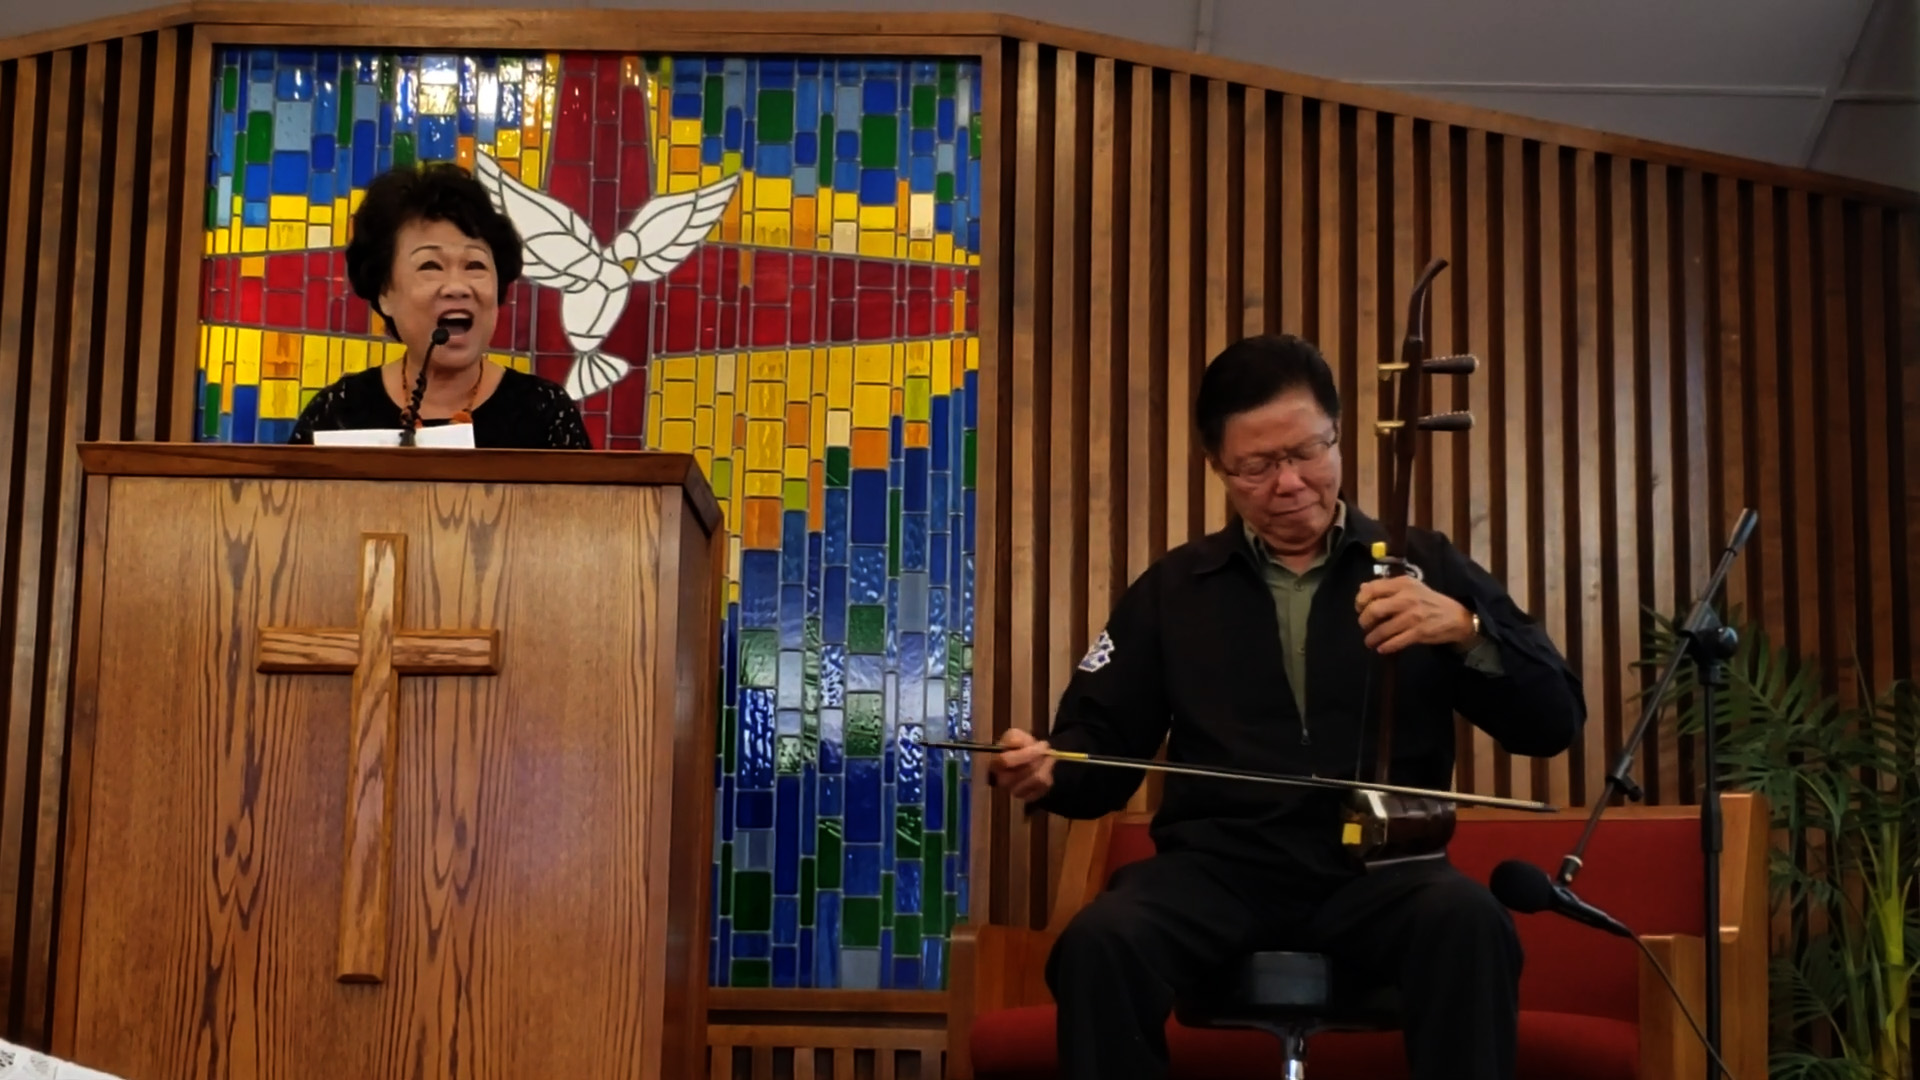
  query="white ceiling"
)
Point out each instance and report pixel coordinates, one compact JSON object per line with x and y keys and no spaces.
{"x":1832,"y":85}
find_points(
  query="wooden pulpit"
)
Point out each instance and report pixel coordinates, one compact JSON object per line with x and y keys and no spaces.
{"x":390,"y":763}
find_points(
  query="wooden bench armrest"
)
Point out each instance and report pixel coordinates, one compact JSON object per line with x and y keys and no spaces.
{"x":991,"y":968}
{"x":1669,"y":1047}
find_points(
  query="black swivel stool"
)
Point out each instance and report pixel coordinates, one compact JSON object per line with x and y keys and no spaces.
{"x":1290,"y":995}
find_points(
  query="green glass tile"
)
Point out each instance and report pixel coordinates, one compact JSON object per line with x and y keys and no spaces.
{"x":213,"y":202}
{"x":788,"y":755}
{"x":827,"y":843}
{"x":210,"y":410}
{"x":752,"y":973}
{"x":838,"y":465}
{"x":230,"y":90}
{"x":908,"y":825}
{"x":726,"y":877}
{"x":810,"y":671}
{"x":886,"y":898}
{"x":906,"y":935}
{"x":967,"y":478}
{"x":860,"y":922}
{"x":866,"y":628}
{"x":714,"y":116}
{"x":343,"y":138}
{"x":721,"y":479}
{"x":388,"y":78}
{"x":953,"y":797}
{"x":943,"y":187}
{"x":794,"y":495}
{"x":759,"y":659}
{"x":402,"y":148}
{"x":923,"y":106}
{"x":918,"y":399}
{"x":728,"y":726}
{"x":806,"y":890}
{"x":974,"y":136}
{"x":955,"y":661}
{"x":880,"y":141}
{"x":893,"y":532}
{"x":826,"y":145}
{"x":949,"y":78}
{"x":866,"y":716}
{"x":774,"y":121}
{"x":753,"y":900}
{"x":259,"y":138}
{"x":933,"y":876}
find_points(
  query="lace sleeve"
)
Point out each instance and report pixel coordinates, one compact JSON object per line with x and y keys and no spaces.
{"x":564,"y":428}
{"x":322,"y":413}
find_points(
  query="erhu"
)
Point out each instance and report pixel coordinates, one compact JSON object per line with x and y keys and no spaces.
{"x":1382,"y":822}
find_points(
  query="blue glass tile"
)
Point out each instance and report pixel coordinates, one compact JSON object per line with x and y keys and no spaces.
{"x":253,"y":213}
{"x":932,"y":971}
{"x":806,"y":148}
{"x":753,"y":946}
{"x":732,"y":129}
{"x":687,"y":103}
{"x":756,"y":809}
{"x":936,"y":615}
{"x":940,"y":488}
{"x":938,"y":459}
{"x":404,"y":92}
{"x":846,"y":175}
{"x":723,"y":948}
{"x":833,"y":605}
{"x":862,"y":871}
{"x":785,"y":959}
{"x":816,"y":566}
{"x":793,"y":546}
{"x":863,"y":801}
{"x":936,"y":790}
{"x":909,"y":783}
{"x":810,"y":67}
{"x":322,"y":161}
{"x":756,"y":738}
{"x":833,"y":665}
{"x":711,"y":150}
{"x":806,"y":956}
{"x":943,"y":118}
{"x":290,"y":172}
{"x":838,"y":510}
{"x":793,"y":615}
{"x":944,"y":161}
{"x":326,"y":107}
{"x":295,"y":83}
{"x":846,"y":143}
{"x":727,"y":803}
{"x":869,"y":573}
{"x":906,"y":973}
{"x":833,"y":785}
{"x":809,"y":785}
{"x":786,"y":851}
{"x":438,"y":141}
{"x":776,"y":159}
{"x":943,"y":217}
{"x":906,"y":887}
{"x":363,"y":153}
{"x":881,"y":96}
{"x":913,"y":542}
{"x":260,"y":93}
{"x":776,"y":74}
{"x":920,"y":159}
{"x":846,"y":114}
{"x":786,"y":920}
{"x":259,"y":184}
{"x":759,"y":589}
{"x":246,"y":409}
{"x":866,"y":674}
{"x":321,"y":191}
{"x":914,"y":472}
{"x":878,"y":187}
{"x":510,"y":98}
{"x":937,"y":558}
{"x":826,"y":948}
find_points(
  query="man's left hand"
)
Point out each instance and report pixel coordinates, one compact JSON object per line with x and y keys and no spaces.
{"x":1400,"y":611}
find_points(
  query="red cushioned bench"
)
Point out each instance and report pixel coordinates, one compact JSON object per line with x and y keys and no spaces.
{"x":1591,"y":1007}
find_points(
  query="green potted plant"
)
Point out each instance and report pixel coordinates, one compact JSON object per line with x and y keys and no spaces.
{"x":1842,"y":775}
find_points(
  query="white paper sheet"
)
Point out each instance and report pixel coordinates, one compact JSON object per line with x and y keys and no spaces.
{"x":446,"y":436}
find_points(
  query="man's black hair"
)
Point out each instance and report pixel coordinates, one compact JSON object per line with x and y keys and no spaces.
{"x":435,"y":192}
{"x":1253,"y":371}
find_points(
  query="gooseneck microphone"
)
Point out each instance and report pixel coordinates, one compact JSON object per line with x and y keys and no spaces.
{"x":1525,"y":887}
{"x":411,"y":421}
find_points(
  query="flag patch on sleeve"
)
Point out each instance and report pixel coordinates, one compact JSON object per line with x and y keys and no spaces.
{"x":1098,"y":656}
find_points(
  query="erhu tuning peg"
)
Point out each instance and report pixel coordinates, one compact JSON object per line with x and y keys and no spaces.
{"x":1463,"y":364}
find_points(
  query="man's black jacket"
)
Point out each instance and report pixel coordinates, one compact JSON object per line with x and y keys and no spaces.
{"x":1191,"y":654}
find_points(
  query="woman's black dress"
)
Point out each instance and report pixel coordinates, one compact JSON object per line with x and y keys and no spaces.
{"x":526,"y":412}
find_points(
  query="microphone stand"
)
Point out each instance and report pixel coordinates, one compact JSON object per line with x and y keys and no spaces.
{"x":1709,"y":645}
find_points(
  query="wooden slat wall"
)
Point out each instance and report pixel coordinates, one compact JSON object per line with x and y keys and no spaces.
{"x":93,"y":157}
{"x":826,"y":1035}
{"x":1660,"y":347}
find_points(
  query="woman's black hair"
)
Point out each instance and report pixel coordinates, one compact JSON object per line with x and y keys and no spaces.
{"x":441,"y":191}
{"x":1253,"y":371}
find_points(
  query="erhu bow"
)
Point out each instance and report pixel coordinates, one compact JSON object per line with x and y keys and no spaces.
{"x":1382,"y":821}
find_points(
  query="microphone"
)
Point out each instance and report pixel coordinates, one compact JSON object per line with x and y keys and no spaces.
{"x":1525,"y":887}
{"x":412,"y":419}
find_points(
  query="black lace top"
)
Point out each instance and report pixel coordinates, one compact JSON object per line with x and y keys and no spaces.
{"x":525,"y":412}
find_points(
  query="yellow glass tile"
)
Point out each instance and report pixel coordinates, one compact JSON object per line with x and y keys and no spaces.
{"x":772,"y":193}
{"x":653,"y":419}
{"x":914,"y":433}
{"x":973,"y":354}
{"x":287,"y":236}
{"x":685,"y":133}
{"x":723,"y":417}
{"x":354,"y":198}
{"x":764,"y":444}
{"x":214,"y":352}
{"x":246,"y":356}
{"x":872,"y":244}
{"x":342,"y":219}
{"x":226,"y":397}
{"x":872,"y":405}
{"x":940,"y":365}
{"x":919,"y":250}
{"x":898,"y":353}
{"x":676,"y":436}
{"x":771,"y":228}
{"x":959,"y":307}
{"x":942,"y":248}
{"x":223,"y":241}
{"x":435,"y":99}
{"x":803,"y":211}
{"x":703,"y":427}
{"x":761,"y":485}
{"x":728,"y":227}
{"x":206,"y":346}
{"x":253,"y":266}
{"x":729,"y":164}
{"x":746,"y":268}
{"x":768,"y":365}
{"x":530,"y":166}
{"x":395,"y":352}
{"x":506,"y":143}
{"x":918,"y":407}
{"x":313,"y":361}
{"x":839,"y":427}
{"x":463,"y":152}
{"x":846,"y":206}
{"x":873,"y":363}
{"x":819,"y":364}
{"x":846,"y":238}
{"x":287,"y":207}
{"x":766,"y":400}
{"x":702,"y":455}
{"x":356,"y":355}
{"x":678,"y":182}
{"x":319,"y":237}
{"x":840,"y":368}
{"x":320,"y":213}
{"x":798,"y":462}
{"x":799,"y":374}
{"x":336,"y":359}
{"x":817,"y":427}
{"x":900,"y":247}
{"x":207,"y":242}
{"x":280,"y":356}
{"x":876,"y":217}
{"x":280,"y":399}
{"x":523,"y":364}
{"x":673,"y":369}
{"x":896,"y":402}
{"x":703,"y":379}
{"x":677,"y":399}
{"x":918,"y":357}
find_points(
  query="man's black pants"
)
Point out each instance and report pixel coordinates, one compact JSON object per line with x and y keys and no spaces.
{"x":1167,"y":923}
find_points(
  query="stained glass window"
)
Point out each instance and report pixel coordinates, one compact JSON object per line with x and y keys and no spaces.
{"x":817,"y":351}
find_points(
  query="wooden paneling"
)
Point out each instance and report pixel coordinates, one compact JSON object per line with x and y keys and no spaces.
{"x":826,"y":1035}
{"x":1661,"y":346}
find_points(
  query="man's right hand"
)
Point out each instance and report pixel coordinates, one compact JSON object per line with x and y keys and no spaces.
{"x":1025,"y":770}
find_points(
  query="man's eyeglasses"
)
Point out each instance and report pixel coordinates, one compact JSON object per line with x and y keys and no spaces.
{"x":1263,"y":467}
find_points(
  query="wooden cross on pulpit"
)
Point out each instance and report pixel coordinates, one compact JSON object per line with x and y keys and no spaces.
{"x":376,"y":653}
